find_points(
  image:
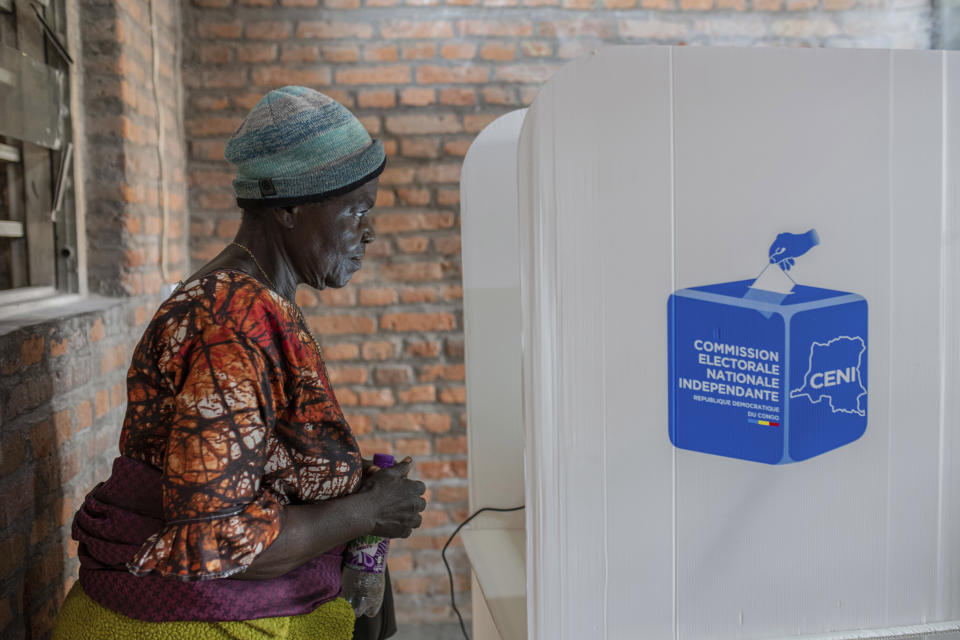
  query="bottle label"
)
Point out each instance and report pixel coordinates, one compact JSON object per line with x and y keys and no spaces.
{"x":368,"y":554}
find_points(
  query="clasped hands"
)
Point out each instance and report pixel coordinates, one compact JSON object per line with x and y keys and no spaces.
{"x":395,"y":501}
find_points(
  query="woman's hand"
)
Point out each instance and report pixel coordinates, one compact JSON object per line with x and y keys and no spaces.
{"x":395,"y":501}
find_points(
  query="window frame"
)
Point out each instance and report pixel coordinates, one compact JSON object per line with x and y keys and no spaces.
{"x":49,"y":263}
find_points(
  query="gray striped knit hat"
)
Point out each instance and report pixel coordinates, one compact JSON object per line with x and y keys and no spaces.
{"x":298,"y":145}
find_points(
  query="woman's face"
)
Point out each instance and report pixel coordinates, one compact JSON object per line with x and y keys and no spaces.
{"x":328,"y":240}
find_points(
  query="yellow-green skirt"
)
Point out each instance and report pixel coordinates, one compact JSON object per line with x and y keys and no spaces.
{"x":81,"y":618}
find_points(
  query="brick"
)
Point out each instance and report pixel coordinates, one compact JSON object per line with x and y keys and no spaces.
{"x":377,"y":99}
{"x":804,"y":28}
{"x":458,"y":50}
{"x":454,"y":348}
{"x":337,"y":297}
{"x":427,"y":349}
{"x":433,"y":74}
{"x":447,"y":245}
{"x":412,"y":272}
{"x":452,"y":444}
{"x":425,"y":221}
{"x":101,"y":403}
{"x":432,"y":422}
{"x":212,"y":125}
{"x":378,"y":350}
{"x":452,"y":494}
{"x":527,"y":73}
{"x":433,"y":518}
{"x":377,"y":398}
{"x":268,"y":30}
{"x":381,"y":53}
{"x":281,"y":75}
{"x":417,"y":322}
{"x":475,"y":123}
{"x":420,"y":147}
{"x":498,"y":51}
{"x":413,"y":244}
{"x":41,"y":528}
{"x":767,"y":5}
{"x":732,"y":5}
{"x":418,"y":295}
{"x":510,"y":28}
{"x":347,"y":398}
{"x":11,"y":553}
{"x":436,"y":469}
{"x":397,"y":175}
{"x":216,"y":54}
{"x":371,"y":124}
{"x":32,"y":350}
{"x":398,"y":563}
{"x":456,"y":147}
{"x":449,"y":197}
{"x":454,"y":372}
{"x":384,"y":74}
{"x":328,"y":29}
{"x":18,"y":497}
{"x":232,"y":29}
{"x":370,"y":446}
{"x":338,"y":325}
{"x":378,"y":297}
{"x":58,"y":348}
{"x":420,"y":394}
{"x":392,"y":374}
{"x":301,"y":3}
{"x":12,"y":453}
{"x":257,"y":53}
{"x":458,"y":96}
{"x":536,"y":49}
{"x":413,"y":195}
{"x":29,"y":395}
{"x":300,"y":53}
{"x":453,"y":395}
{"x":452,"y":292}
{"x":448,"y":172}
{"x":96,"y":330}
{"x":652,"y":29}
{"x":398,"y":29}
{"x":413,"y":446}
{"x":344,"y":351}
{"x":413,"y":584}
{"x":347,"y":375}
{"x":359,"y":423}
{"x":417,"y":97}
{"x":419,"y":51}
{"x":576,"y":28}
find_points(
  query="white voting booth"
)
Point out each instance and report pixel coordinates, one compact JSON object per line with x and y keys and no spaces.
{"x":712,"y":314}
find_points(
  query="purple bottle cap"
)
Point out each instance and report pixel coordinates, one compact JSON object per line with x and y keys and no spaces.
{"x":383,"y":460}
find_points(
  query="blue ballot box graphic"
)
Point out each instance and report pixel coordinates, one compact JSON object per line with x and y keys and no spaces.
{"x":766,"y":376}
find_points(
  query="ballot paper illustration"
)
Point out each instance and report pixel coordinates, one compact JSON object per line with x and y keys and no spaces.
{"x":767,"y":369}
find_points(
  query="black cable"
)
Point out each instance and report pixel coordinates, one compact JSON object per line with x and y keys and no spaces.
{"x":443,"y":555}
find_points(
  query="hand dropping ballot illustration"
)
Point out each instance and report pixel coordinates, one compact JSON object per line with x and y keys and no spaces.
{"x":767,"y":369}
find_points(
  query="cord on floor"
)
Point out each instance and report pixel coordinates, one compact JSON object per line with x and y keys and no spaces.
{"x":443,"y":555}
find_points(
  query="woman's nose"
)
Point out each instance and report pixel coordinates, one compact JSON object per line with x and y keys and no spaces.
{"x":368,"y":235}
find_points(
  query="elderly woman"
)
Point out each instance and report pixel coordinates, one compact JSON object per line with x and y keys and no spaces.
{"x":239,"y":481}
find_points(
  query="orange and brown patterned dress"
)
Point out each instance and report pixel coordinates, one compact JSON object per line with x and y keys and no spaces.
{"x":228,"y":396}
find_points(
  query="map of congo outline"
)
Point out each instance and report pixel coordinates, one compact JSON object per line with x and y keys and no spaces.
{"x":832,"y":374}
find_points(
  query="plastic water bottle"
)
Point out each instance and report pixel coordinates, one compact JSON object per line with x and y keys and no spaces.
{"x":362,"y":582}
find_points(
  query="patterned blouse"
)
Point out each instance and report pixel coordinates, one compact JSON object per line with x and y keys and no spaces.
{"x":228,"y":396}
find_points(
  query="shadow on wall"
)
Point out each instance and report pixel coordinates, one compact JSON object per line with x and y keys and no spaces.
{"x":62,"y":394}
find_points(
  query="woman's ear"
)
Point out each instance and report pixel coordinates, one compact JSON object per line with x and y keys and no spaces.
{"x":287,"y":217}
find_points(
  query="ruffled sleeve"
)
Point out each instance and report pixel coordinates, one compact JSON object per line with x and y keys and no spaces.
{"x":217,"y":515}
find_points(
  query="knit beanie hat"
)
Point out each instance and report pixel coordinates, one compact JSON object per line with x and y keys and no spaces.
{"x":298,"y":145}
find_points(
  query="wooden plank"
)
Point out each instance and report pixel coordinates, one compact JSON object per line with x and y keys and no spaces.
{"x":41,"y":257}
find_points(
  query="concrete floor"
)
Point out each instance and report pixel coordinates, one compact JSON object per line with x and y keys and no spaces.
{"x":443,"y":631}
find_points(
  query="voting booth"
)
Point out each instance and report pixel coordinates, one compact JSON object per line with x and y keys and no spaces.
{"x":712,"y":314}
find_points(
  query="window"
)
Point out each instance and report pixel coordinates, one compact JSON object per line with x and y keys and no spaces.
{"x":37,"y":224}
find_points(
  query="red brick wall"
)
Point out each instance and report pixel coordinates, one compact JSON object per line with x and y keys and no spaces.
{"x":62,"y":390}
{"x":425,"y":76}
